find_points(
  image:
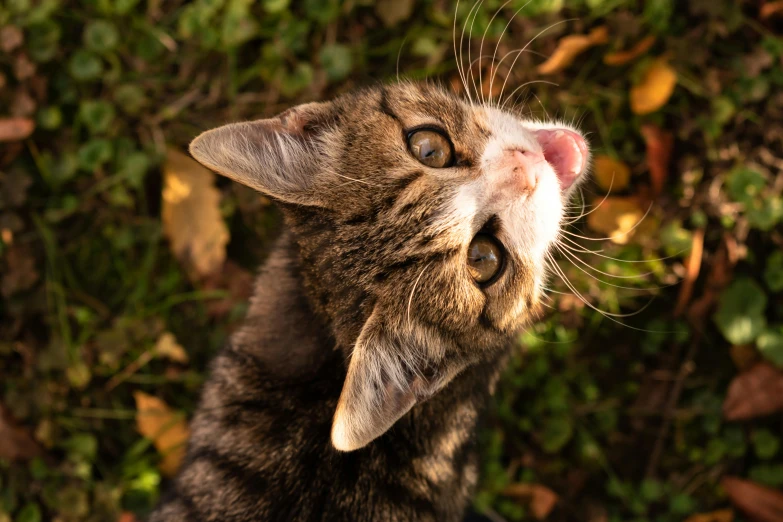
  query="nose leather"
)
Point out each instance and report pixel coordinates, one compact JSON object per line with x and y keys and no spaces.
{"x":525,"y":169}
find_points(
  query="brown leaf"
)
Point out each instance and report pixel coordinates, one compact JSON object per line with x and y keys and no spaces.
{"x":541,"y":500}
{"x":167,"y":347}
{"x":17,"y":442}
{"x":233,"y":278}
{"x":659,"y":153}
{"x":692,"y":269}
{"x":610,"y":174}
{"x":167,"y":429}
{"x":617,"y":217}
{"x":127,"y":516}
{"x":655,"y":88}
{"x":744,"y":356}
{"x":769,"y":9}
{"x":755,"y":392}
{"x":191,"y":214}
{"x":15,"y":129}
{"x":761,"y":504}
{"x":20,"y":273}
{"x":11,"y":37}
{"x":569,"y":47}
{"x":392,"y":12}
{"x":623,"y":57}
{"x":723,"y":515}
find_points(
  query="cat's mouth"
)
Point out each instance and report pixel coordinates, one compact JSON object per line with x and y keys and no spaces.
{"x":566,"y":151}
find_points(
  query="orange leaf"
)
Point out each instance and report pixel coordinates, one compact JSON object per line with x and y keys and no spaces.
{"x":723,"y":515}
{"x":616,"y":217}
{"x":623,"y":57}
{"x":127,"y":516}
{"x":754,"y":393}
{"x":167,"y":429}
{"x":540,"y":499}
{"x":569,"y":47}
{"x":15,"y":129}
{"x":655,"y":88}
{"x":692,"y":269}
{"x":759,"y":503}
{"x":659,"y":152}
{"x":770,"y":8}
{"x":191,"y":214}
{"x":610,"y":174}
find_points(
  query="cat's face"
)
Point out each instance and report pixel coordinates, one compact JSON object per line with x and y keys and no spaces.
{"x":426,"y":220}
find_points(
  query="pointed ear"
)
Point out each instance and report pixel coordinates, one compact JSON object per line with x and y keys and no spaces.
{"x":384,"y":380}
{"x":279,"y":156}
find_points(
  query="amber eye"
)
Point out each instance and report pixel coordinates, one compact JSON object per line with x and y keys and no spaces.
{"x":431,"y":148}
{"x":485,"y":258}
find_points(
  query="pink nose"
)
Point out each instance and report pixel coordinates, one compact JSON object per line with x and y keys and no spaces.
{"x":526,"y":166}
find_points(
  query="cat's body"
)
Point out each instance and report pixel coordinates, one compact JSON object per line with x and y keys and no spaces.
{"x":417,"y":226}
{"x":260,"y":447}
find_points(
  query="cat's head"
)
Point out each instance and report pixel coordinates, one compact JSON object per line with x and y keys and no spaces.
{"x":424,"y":221}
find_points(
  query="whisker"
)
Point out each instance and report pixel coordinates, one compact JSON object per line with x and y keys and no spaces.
{"x":413,"y":290}
{"x":497,"y":46}
{"x":608,"y":315}
{"x":607,"y":273}
{"x":502,"y":89}
{"x":481,"y":49}
{"x":616,"y":235}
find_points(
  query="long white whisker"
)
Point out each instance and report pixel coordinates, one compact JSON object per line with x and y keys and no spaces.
{"x":616,"y":235}
{"x":502,"y":89}
{"x":481,"y":51}
{"x":413,"y":290}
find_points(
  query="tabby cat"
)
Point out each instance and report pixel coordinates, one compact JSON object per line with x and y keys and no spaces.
{"x":417,"y":224}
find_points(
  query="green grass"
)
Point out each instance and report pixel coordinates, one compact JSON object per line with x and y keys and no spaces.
{"x":620,"y":420}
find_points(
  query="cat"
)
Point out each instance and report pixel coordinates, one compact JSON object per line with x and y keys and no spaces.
{"x":416,"y":227}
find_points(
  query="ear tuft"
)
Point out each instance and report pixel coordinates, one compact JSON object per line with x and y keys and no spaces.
{"x":278,"y":156}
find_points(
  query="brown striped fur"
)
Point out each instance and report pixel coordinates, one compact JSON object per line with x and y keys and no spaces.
{"x":364,"y":314}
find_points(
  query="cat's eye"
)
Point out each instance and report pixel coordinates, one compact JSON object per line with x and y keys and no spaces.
{"x":485,"y":258}
{"x":431,"y":148}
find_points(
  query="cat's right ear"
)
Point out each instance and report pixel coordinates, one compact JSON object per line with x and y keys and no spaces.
{"x":281,"y":156}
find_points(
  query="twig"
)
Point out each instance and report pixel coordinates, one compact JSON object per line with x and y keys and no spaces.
{"x":685,"y":368}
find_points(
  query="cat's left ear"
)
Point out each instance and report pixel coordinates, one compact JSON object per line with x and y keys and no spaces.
{"x":281,"y":156}
{"x":387,"y":375}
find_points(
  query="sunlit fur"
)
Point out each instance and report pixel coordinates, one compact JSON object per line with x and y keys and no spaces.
{"x":385,"y":337}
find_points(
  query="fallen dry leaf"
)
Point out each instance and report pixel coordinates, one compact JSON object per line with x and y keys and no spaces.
{"x":237,"y":281}
{"x":18,"y":443}
{"x":659,"y":153}
{"x":655,"y":88}
{"x":755,"y":392}
{"x":610,"y":174}
{"x":191,"y":214}
{"x":167,"y":347}
{"x":167,"y":429}
{"x":623,"y":57}
{"x":127,"y":516}
{"x":761,"y":504}
{"x":19,"y":273}
{"x":540,"y":499}
{"x":723,"y":515}
{"x":617,"y":217}
{"x":692,"y":269}
{"x":569,"y":47}
{"x":768,"y":9}
{"x":15,"y":129}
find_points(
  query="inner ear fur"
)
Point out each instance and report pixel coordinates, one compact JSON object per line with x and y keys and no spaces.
{"x":280,"y":156}
{"x":391,"y":369}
